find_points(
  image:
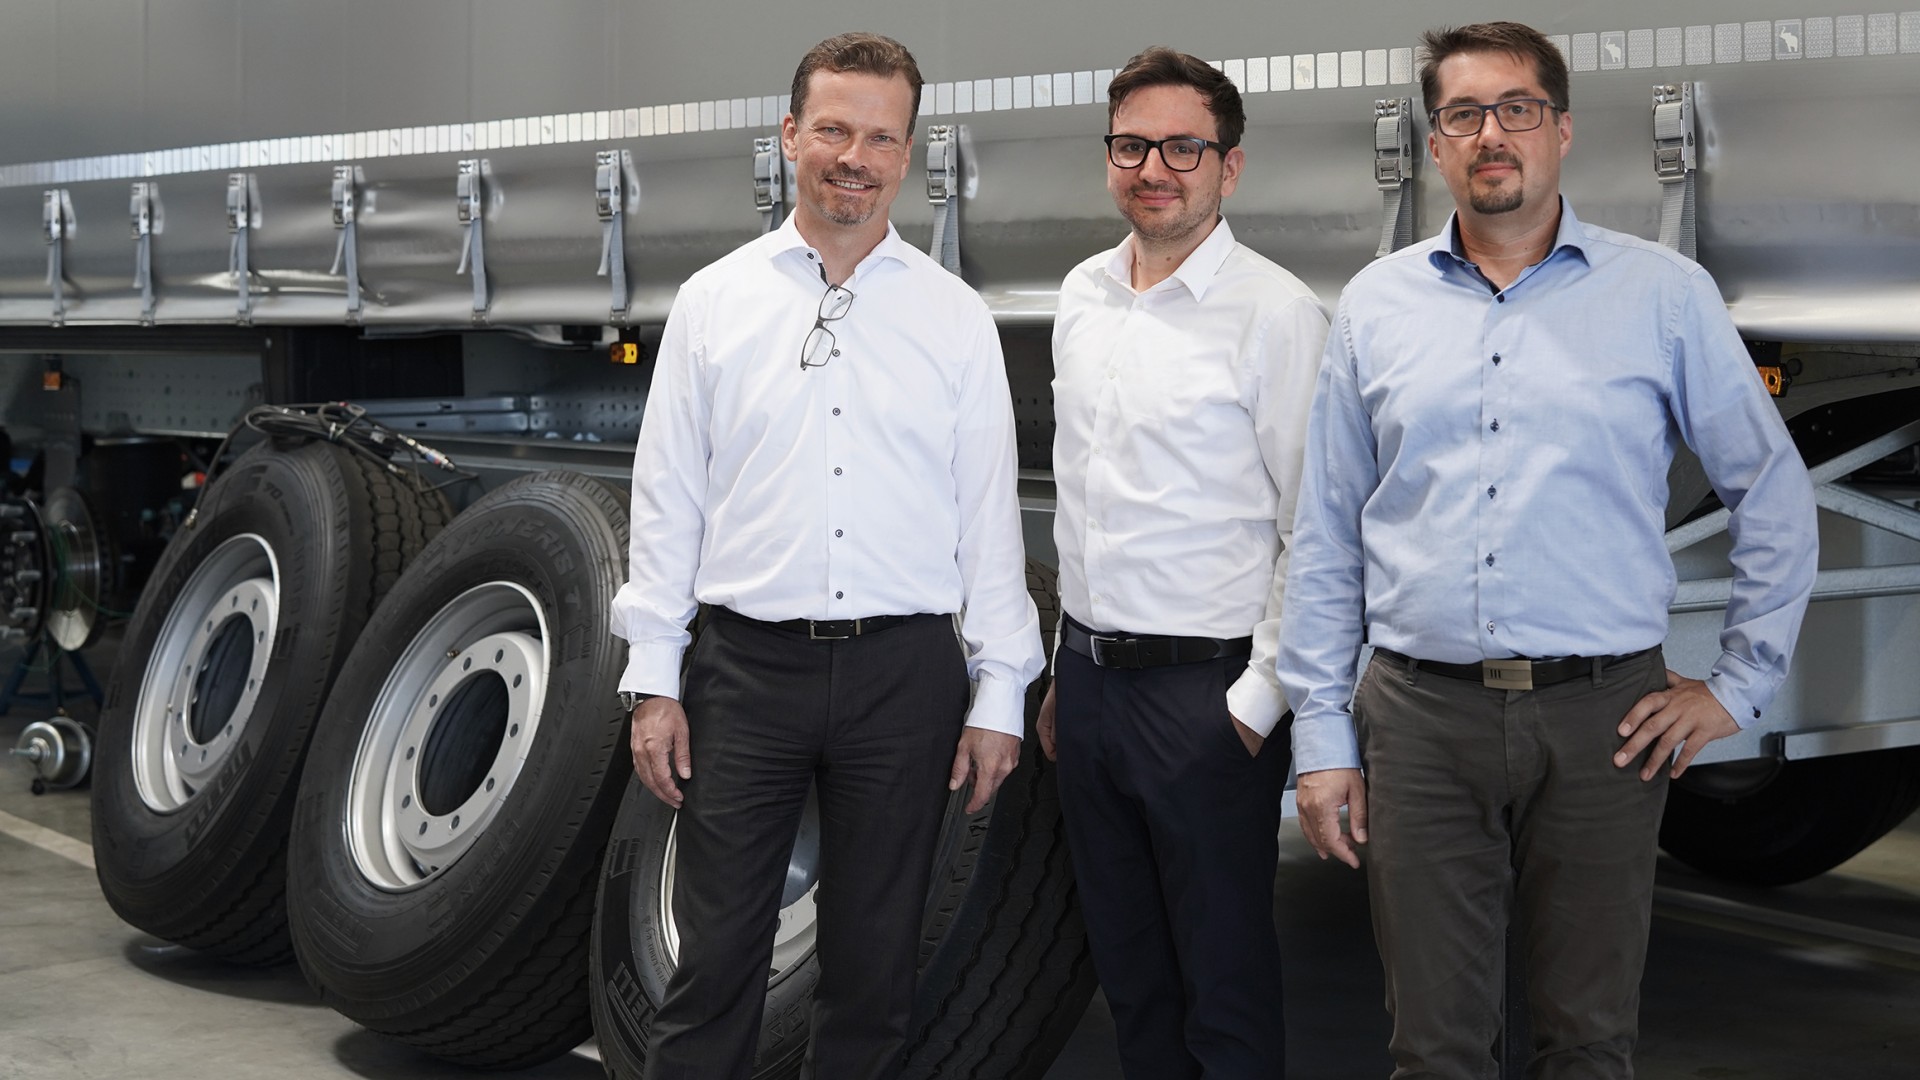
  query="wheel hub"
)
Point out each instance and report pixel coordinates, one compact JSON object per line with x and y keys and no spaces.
{"x":448,"y":735}
{"x":205,"y":673}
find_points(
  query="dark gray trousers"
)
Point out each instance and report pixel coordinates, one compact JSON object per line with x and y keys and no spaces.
{"x":1486,"y":805}
{"x":872,"y":722}
{"x":1174,"y":832}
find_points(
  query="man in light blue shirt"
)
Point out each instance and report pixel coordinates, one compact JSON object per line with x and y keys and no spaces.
{"x":1484,"y":502}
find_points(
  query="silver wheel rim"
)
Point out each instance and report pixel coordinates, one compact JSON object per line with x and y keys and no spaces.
{"x":793,"y":935}
{"x":204,"y":675}
{"x":448,"y":734}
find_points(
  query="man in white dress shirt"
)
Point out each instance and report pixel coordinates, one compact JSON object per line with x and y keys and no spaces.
{"x":827,"y":463}
{"x":1184,"y":366}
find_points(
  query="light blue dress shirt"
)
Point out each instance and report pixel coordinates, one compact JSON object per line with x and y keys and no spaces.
{"x":1486,"y":474}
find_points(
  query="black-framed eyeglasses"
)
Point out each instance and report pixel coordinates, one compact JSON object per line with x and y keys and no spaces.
{"x":1468,"y":118}
{"x":820,"y":344}
{"x":1180,"y":155}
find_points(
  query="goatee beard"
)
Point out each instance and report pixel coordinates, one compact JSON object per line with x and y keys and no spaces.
{"x":1497,"y":202}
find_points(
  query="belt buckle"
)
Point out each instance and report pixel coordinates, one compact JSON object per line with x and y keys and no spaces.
{"x":1507,"y":674}
{"x":815,"y":635}
{"x":1115,"y":652}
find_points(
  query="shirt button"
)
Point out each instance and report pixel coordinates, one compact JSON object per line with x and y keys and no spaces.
{"x":1502,"y":298}
{"x":836,"y":470}
{"x":809,"y":254}
{"x":1495,"y":426}
{"x":1489,"y":628}
{"x":1096,"y":449}
{"x":838,"y":595}
{"x":1489,"y":560}
{"x":1111,"y":373}
{"x":836,"y":412}
{"x":1490,"y":490}
{"x":842,"y":532}
{"x":1496,"y":359}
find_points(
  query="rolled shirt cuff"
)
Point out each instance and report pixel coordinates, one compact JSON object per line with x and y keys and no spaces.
{"x":998,"y":705}
{"x":1256,"y":702}
{"x":653,"y":669}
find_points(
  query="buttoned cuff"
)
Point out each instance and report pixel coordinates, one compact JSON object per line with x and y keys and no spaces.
{"x":998,"y":705}
{"x":1256,"y":702}
{"x":1732,"y":698}
{"x":1324,"y":742}
{"x":653,"y":669}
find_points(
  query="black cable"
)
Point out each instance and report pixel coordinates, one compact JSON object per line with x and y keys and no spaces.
{"x":345,"y":425}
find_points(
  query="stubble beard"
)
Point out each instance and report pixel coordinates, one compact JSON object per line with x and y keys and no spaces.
{"x":840,"y":207}
{"x":1167,"y":227}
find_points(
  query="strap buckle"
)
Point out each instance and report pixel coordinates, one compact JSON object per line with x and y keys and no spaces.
{"x":56,"y":214}
{"x":767,"y":179}
{"x":609,"y":188}
{"x":1514,"y":674}
{"x":345,"y":194}
{"x":1392,"y":141}
{"x":943,"y":164}
{"x":1674,"y":149}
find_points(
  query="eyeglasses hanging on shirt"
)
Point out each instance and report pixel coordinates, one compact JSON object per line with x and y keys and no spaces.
{"x":820,"y":344}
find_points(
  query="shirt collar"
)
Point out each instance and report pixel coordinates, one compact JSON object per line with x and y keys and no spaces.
{"x":786,"y":240}
{"x":1448,"y":251}
{"x":1196,"y":271}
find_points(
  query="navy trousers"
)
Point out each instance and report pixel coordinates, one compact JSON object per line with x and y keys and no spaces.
{"x":1174,"y":829}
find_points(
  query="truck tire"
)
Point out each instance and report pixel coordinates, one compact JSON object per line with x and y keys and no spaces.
{"x":227,"y":659}
{"x":1004,"y":968}
{"x":1791,"y":823}
{"x":456,"y":802}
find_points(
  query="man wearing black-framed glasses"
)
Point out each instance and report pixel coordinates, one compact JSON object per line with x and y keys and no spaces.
{"x":1485,"y":503}
{"x":1183,"y":368}
{"x":832,"y":515}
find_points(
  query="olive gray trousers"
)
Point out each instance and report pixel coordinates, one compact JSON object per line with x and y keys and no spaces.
{"x":1486,"y":805}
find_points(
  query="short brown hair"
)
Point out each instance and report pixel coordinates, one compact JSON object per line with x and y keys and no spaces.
{"x":1517,"y":40}
{"x":1161,"y":66}
{"x":860,"y":53}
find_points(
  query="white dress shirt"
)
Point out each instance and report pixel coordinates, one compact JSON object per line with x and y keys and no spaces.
{"x":1180,"y":413}
{"x":879,"y":484}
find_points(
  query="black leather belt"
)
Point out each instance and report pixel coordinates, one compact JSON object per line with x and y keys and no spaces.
{"x":828,"y":629}
{"x":1140,"y":651}
{"x":1517,"y":673}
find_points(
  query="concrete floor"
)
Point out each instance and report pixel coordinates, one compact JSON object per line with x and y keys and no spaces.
{"x":1818,"y":981}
